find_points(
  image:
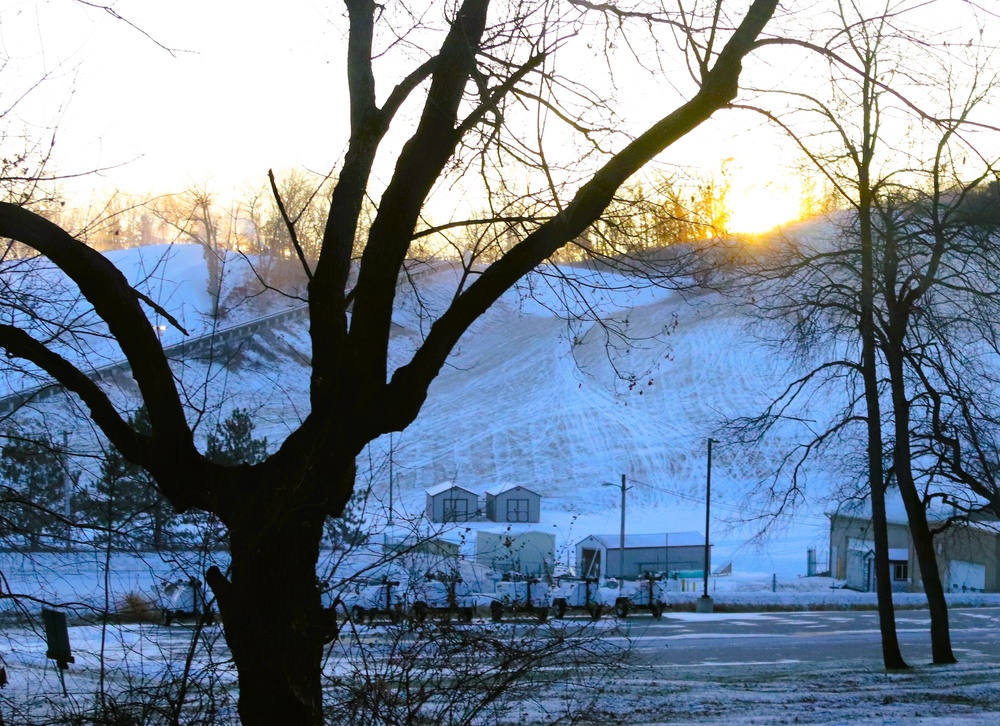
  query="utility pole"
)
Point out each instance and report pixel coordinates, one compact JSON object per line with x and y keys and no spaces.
{"x":390,"y":478}
{"x":621,"y":552}
{"x":67,"y":490}
{"x":621,"y":541}
{"x":705,"y":604}
{"x":387,"y":535}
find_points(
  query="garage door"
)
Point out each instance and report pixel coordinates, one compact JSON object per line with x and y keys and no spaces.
{"x":966,"y":576}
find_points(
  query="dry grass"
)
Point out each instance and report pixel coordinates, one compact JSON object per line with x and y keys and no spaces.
{"x":137,"y":608}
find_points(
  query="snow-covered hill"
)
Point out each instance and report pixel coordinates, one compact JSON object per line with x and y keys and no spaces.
{"x":528,"y":399}
{"x":532,"y":398}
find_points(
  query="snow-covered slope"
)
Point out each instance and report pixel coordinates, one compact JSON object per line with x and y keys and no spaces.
{"x":531,"y":398}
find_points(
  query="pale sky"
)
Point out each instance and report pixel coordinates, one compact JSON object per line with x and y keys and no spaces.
{"x":244,"y":90}
{"x":252,"y":86}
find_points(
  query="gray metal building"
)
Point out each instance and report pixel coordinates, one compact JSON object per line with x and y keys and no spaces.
{"x":448,"y":502}
{"x":513,"y":503}
{"x":527,"y":552}
{"x":599,"y":555}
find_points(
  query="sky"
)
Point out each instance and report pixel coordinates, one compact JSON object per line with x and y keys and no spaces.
{"x":190,"y":92}
{"x":238,"y":92}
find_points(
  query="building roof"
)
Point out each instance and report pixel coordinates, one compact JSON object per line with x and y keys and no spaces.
{"x":524,"y":531}
{"x":446,"y":486}
{"x":637,"y":541}
{"x":937,"y":517}
{"x":984,"y":526}
{"x":937,"y":511}
{"x":501,"y":488}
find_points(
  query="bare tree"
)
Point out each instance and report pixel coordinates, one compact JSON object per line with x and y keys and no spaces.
{"x":463,"y":675}
{"x":487,"y":65}
{"x":194,"y":217}
{"x":901,"y":252}
{"x":280,"y":222}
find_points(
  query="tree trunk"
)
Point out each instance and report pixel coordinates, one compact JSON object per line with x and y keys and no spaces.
{"x":916,"y":513}
{"x":158,"y":527}
{"x":273,"y":618}
{"x":214,"y":267}
{"x":891,"y":655}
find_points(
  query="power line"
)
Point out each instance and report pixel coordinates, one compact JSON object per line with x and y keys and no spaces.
{"x":715,"y":504}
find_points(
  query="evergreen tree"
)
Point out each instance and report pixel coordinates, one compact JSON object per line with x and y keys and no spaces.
{"x":233,"y":442}
{"x":347,"y":530}
{"x":34,"y":477}
{"x":126,"y":502}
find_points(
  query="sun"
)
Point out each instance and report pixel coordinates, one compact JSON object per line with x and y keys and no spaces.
{"x":761,"y":207}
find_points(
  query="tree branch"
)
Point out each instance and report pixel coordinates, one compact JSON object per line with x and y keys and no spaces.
{"x":114,"y":300}
{"x":420,"y":164}
{"x":410,"y":382}
{"x":289,"y":225}
{"x":19,"y":344}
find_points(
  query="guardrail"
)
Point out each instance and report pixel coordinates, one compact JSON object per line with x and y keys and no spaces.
{"x":194,"y":346}
{"x":184,"y":349}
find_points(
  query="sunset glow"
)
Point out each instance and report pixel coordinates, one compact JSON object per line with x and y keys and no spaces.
{"x":760,"y":208}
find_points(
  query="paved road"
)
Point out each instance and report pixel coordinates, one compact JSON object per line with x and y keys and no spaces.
{"x":688,"y":639}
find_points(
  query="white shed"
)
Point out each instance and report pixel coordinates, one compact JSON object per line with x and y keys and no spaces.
{"x":448,"y":502}
{"x":676,"y":552}
{"x":505,"y":550}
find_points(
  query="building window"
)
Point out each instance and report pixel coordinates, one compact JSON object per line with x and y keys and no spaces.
{"x":517,"y":510}
{"x":900,"y":571}
{"x":456,"y":510}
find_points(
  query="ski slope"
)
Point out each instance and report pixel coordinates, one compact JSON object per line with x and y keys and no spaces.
{"x":536,"y":397}
{"x":527,"y":401}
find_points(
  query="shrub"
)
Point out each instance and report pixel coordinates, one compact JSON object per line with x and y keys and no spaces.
{"x":137,"y":608}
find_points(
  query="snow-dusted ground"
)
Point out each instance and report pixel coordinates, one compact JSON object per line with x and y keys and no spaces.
{"x":149,"y":656}
{"x":831,"y":693}
{"x":797,"y":693}
{"x":145,"y":657}
{"x":532,"y":399}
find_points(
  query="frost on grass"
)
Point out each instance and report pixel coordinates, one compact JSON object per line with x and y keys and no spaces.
{"x":756,"y":695}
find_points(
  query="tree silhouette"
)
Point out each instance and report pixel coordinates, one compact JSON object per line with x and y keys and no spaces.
{"x":487,"y":65}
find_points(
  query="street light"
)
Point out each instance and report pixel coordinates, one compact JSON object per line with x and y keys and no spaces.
{"x":621,"y":551}
{"x":705,"y":604}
